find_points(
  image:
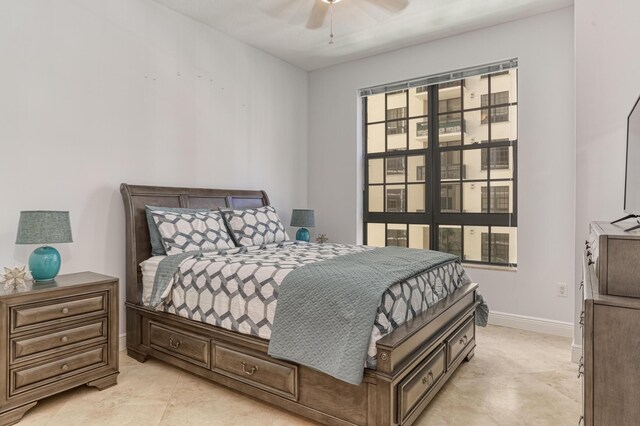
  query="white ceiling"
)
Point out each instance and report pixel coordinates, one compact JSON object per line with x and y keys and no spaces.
{"x":361,"y":29}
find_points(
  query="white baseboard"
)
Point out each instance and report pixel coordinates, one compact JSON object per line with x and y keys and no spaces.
{"x":576,"y":353}
{"x":123,"y":342}
{"x":540,"y":325}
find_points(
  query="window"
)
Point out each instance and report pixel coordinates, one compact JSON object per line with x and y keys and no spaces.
{"x":395,"y":200}
{"x":396,"y":127}
{"x":450,"y":197}
{"x":498,"y":202}
{"x":440,"y":168}
{"x":397,"y":237}
{"x":496,"y":158}
{"x":498,"y":114}
{"x":450,"y":240}
{"x":498,"y":252}
{"x":395,"y":166}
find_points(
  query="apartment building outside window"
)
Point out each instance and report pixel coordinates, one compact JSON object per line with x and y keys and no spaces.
{"x":441,"y":167}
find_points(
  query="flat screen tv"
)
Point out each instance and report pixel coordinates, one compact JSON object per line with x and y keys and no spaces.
{"x":632,"y":178}
{"x":632,"y":174}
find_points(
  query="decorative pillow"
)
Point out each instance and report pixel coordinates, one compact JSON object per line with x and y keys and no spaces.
{"x":254,"y":227}
{"x":157,"y":248}
{"x":183,"y":232}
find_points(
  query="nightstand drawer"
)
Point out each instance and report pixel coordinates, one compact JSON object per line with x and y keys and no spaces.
{"x":51,"y":341}
{"x":53,"y":311}
{"x":29,"y":377}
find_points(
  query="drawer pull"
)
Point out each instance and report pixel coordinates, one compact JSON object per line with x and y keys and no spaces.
{"x":464,"y":340}
{"x":65,"y":367}
{"x":581,"y":318}
{"x":580,"y":370}
{"x":64,"y":339}
{"x":175,"y":344}
{"x":64,"y":310}
{"x":250,"y":372}
{"x":428,"y":379}
{"x":581,"y":285}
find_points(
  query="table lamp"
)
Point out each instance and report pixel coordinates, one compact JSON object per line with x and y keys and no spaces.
{"x":44,"y":227}
{"x":303,"y":218}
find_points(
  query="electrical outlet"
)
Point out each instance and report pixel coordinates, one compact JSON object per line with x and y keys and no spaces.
{"x":562,"y":289}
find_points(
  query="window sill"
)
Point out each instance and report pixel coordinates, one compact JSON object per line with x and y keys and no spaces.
{"x":490,"y":267}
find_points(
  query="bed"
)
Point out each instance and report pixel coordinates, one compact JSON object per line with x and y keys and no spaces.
{"x":407,"y":361}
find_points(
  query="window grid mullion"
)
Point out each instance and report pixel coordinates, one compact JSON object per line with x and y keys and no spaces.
{"x":432,"y":174}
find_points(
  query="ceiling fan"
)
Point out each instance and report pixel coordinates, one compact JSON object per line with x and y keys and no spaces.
{"x":315,"y":11}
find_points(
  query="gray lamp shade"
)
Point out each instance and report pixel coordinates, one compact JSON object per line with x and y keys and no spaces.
{"x":44,"y":227}
{"x":303,"y":218}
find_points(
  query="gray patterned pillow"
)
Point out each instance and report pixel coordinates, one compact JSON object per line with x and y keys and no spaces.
{"x":182,"y":232}
{"x":254,"y":227}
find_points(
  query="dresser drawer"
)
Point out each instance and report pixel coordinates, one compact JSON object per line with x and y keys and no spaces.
{"x":185,"y":345}
{"x":460,"y":340}
{"x":418,"y":384}
{"x":269,"y":374}
{"x":26,"y":378}
{"x":25,"y":317}
{"x":29,"y":347}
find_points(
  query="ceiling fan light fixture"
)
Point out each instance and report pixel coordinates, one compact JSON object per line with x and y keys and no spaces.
{"x":331,"y":1}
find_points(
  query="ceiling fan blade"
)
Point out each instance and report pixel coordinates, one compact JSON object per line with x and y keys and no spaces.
{"x":391,"y":5}
{"x":318,"y":15}
{"x":277,"y":8}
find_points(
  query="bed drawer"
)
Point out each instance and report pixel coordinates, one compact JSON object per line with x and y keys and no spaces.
{"x":460,"y":340}
{"x":415,"y":387}
{"x":188,"y":346}
{"x":24,"y":317}
{"x":269,"y":374}
{"x":29,"y":347}
{"x":25,"y":378}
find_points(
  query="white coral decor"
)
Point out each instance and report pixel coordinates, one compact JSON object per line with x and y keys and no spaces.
{"x":14,"y":276}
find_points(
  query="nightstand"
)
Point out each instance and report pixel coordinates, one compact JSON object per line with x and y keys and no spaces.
{"x":55,"y":336}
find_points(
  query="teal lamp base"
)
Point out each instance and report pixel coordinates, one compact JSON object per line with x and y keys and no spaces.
{"x":303,"y":235}
{"x":44,"y":263}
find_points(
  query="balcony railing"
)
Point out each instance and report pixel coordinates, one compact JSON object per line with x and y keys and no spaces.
{"x":450,"y":84}
{"x":450,"y":126}
{"x":445,"y":127}
{"x":422,"y":129}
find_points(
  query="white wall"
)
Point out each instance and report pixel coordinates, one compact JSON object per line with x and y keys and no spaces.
{"x":607,"y":85}
{"x":94,"y":93}
{"x":544,"y":46}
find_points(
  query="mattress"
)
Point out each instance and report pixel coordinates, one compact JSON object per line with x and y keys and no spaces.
{"x":237,"y":289}
{"x":149,"y":268}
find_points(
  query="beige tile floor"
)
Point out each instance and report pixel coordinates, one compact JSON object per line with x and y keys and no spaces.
{"x":516,"y":378}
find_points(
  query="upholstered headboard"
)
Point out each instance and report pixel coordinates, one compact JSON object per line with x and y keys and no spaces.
{"x":135,"y":197}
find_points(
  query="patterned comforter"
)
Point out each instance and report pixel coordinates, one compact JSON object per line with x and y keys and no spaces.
{"x":237,"y":289}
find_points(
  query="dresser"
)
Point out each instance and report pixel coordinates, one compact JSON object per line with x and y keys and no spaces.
{"x":56,"y":336}
{"x":610,"y":326}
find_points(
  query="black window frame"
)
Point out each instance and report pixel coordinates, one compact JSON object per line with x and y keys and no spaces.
{"x":432,"y":215}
